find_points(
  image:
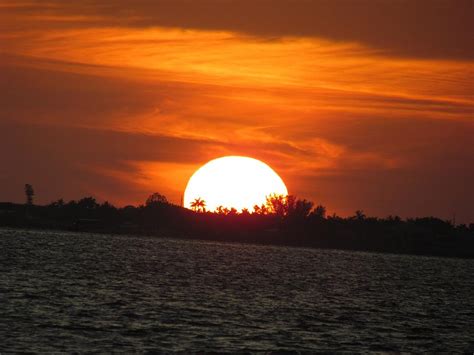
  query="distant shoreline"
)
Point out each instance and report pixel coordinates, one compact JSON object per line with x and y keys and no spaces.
{"x":282,"y":222}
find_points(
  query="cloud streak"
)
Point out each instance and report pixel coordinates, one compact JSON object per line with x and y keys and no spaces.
{"x":420,"y":28}
{"x":354,"y":105}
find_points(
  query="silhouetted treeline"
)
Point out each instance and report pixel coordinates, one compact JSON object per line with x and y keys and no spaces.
{"x":283,"y":220}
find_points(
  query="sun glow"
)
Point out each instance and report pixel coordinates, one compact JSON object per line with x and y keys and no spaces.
{"x":233,"y":182}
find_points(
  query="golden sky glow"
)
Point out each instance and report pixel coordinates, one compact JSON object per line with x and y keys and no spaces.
{"x":128,"y":98}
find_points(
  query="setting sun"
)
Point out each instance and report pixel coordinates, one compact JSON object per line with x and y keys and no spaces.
{"x":233,"y":182}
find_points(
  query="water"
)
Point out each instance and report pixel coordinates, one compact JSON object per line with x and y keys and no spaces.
{"x":82,"y":292}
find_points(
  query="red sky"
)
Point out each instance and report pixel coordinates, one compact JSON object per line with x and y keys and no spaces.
{"x":356,"y":104}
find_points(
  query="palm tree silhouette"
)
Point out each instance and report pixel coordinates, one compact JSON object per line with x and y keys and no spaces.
{"x":198,"y":205}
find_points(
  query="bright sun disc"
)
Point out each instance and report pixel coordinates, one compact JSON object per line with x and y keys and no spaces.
{"x":233,"y":181}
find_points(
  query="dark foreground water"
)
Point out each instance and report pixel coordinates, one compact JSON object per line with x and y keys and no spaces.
{"x":79,"y":292}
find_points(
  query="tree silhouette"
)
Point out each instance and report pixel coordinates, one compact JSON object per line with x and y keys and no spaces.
{"x":156,"y":199}
{"x":302,"y":208}
{"x":222,"y":210}
{"x":29,"y":192}
{"x":359,"y":215}
{"x":320,"y":211}
{"x":282,"y":220}
{"x":288,"y":206}
{"x":260,"y":210}
{"x":245,"y":212}
{"x":277,"y":204}
{"x":199,"y":205}
{"x":57,"y":204}
{"x":233,"y":211}
{"x":87,"y":203}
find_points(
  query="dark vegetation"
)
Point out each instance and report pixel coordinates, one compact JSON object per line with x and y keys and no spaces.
{"x":283,"y":220}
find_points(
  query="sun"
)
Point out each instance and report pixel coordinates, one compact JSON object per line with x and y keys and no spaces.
{"x":233,"y":182}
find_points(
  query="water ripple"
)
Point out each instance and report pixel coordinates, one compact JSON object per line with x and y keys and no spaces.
{"x":80,"y":293}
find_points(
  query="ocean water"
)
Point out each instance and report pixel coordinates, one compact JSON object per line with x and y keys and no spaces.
{"x":82,"y":292}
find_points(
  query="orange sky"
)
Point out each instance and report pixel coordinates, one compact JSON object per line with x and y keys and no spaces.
{"x":357,"y":105}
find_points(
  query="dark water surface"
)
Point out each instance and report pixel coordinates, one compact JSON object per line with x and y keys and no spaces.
{"x":81,"y":292}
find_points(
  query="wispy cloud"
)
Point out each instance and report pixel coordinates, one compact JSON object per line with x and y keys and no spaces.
{"x":141,"y":93}
{"x":420,"y":28}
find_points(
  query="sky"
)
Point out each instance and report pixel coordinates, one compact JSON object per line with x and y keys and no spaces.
{"x":355,"y":104}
